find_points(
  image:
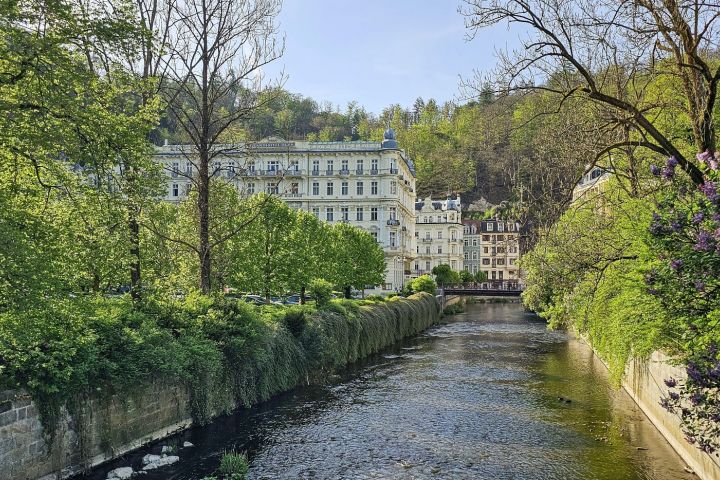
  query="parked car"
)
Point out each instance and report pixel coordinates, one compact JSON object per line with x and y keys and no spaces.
{"x":254,"y":299}
{"x":293,"y":299}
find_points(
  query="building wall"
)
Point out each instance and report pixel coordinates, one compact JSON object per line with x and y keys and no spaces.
{"x":438,"y":235}
{"x":361,"y":183}
{"x":492,"y":246}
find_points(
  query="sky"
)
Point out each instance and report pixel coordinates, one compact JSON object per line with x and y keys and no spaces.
{"x":381,"y":52}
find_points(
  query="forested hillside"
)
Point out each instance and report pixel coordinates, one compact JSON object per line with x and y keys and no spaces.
{"x":501,"y":149}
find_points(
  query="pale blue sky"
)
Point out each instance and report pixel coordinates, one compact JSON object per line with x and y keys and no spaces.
{"x":380,"y":52}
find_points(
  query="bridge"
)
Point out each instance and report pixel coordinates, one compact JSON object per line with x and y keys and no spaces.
{"x":490,"y":288}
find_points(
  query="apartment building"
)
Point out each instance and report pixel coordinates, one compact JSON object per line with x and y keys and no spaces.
{"x":438,"y":235}
{"x":591,"y":184}
{"x":492,"y":246}
{"x":368,"y":184}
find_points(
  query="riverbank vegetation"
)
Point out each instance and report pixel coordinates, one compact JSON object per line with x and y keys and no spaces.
{"x":632,"y":263}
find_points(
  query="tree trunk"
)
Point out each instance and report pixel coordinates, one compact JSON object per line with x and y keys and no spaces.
{"x":347,"y":293}
{"x":204,"y":217}
{"x":135,"y":273}
{"x":302,"y":295}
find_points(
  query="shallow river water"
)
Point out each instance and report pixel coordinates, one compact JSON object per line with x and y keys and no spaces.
{"x":476,"y":398}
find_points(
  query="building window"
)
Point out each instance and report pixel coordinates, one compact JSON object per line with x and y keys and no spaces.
{"x":427,"y":266}
{"x":500,"y":227}
{"x":330,"y":167}
{"x":272,"y":188}
{"x":316,"y":188}
{"x":273,"y":166}
{"x":486,"y":238}
{"x":393,"y":213}
{"x":175,"y":190}
{"x":344,"y":188}
{"x":466,"y":242}
{"x":393,"y":188}
{"x":329,"y":214}
{"x":466,"y":255}
{"x":373,"y":188}
{"x":501,"y":261}
{"x":393,"y":239}
{"x":439,"y":248}
{"x":490,"y":229}
{"x":359,"y":214}
{"x":474,"y":255}
{"x":294,"y":188}
{"x":175,"y":169}
{"x":344,"y":165}
{"x":359,"y":188}
{"x":374,"y":235}
{"x":294,"y":166}
{"x":440,"y":235}
{"x":188,"y":168}
{"x":373,"y":213}
{"x":359,"y":166}
{"x":427,"y":250}
{"x":316,"y":212}
{"x":330,"y":188}
{"x":486,"y":261}
{"x":374,"y":165}
{"x":345,"y":213}
{"x":316,"y":167}
{"x":251,"y":188}
{"x":251,"y":166}
{"x":474,"y":242}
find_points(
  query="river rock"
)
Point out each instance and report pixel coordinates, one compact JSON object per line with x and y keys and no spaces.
{"x":121,"y":473}
{"x":187,"y":445}
{"x":150,"y":458}
{"x":170,"y":459}
{"x":167,"y":449}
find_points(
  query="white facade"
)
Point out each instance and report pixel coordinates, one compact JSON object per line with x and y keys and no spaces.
{"x":438,"y":234}
{"x":368,"y":184}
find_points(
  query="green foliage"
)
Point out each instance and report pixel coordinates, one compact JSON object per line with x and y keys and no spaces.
{"x":424,"y":283}
{"x":358,"y":260}
{"x":444,"y":275}
{"x":375,"y":298}
{"x":466,"y":277}
{"x":234,"y":466}
{"x":453,"y":309}
{"x":320,"y":290}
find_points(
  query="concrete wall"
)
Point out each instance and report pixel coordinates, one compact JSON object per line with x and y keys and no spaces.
{"x":644,"y":382}
{"x":100,"y":431}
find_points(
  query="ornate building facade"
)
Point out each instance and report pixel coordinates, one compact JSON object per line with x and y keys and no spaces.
{"x":438,"y":235}
{"x":492,"y":246}
{"x":368,"y":184}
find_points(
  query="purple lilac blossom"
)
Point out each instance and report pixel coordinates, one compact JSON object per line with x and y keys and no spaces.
{"x":655,"y":170}
{"x":671,"y":162}
{"x":710,"y":190}
{"x":699,"y":285}
{"x":703,"y":241}
{"x":698,"y":217}
{"x":676,"y":264}
{"x":704,"y":156}
{"x":668,"y":173}
{"x":670,"y":382}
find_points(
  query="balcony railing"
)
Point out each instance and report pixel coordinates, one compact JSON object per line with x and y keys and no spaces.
{"x":395,"y":223}
{"x":344,"y":171}
{"x":426,"y":240}
{"x":270,"y":173}
{"x":359,"y":171}
{"x":293,"y":195}
{"x":394,"y":171}
{"x":329,"y":171}
{"x":373,"y":171}
{"x":316,"y":172}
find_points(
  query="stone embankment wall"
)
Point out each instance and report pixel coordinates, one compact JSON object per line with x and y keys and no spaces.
{"x":100,"y":430}
{"x":644,"y":382}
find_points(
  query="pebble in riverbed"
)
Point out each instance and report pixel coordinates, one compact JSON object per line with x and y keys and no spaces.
{"x":152,"y":462}
{"x":122,"y":473}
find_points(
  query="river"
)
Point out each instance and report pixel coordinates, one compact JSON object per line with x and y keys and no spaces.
{"x":492,"y":394}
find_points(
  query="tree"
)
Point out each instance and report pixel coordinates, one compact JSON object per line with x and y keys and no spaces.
{"x":424,"y":283}
{"x":357,"y":259}
{"x":480,"y":276}
{"x":219,"y":49}
{"x":466,"y":277}
{"x":607,"y":58}
{"x":444,"y":275}
{"x":310,"y":242}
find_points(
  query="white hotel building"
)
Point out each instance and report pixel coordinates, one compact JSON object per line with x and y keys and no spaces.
{"x":368,"y":184}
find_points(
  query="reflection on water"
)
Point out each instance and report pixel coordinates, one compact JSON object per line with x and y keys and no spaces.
{"x":491,"y":395}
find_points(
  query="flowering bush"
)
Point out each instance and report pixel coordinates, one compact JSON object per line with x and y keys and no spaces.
{"x":686,"y":237}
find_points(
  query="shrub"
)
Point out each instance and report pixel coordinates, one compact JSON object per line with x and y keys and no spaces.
{"x":424,"y":283}
{"x":320,"y":290}
{"x":375,"y":298}
{"x":295,"y":321}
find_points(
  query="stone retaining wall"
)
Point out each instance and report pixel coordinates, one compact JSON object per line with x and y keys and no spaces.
{"x":644,"y":382}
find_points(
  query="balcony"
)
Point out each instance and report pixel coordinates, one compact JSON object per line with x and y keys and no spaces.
{"x":329,"y":171}
{"x":426,"y":240}
{"x":394,"y":223}
{"x":373,"y":171}
{"x":270,"y":173}
{"x":344,"y":171}
{"x":293,"y":172}
{"x":315,"y":172}
{"x":359,"y":171}
{"x":394,"y":171}
{"x":292,"y":195}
